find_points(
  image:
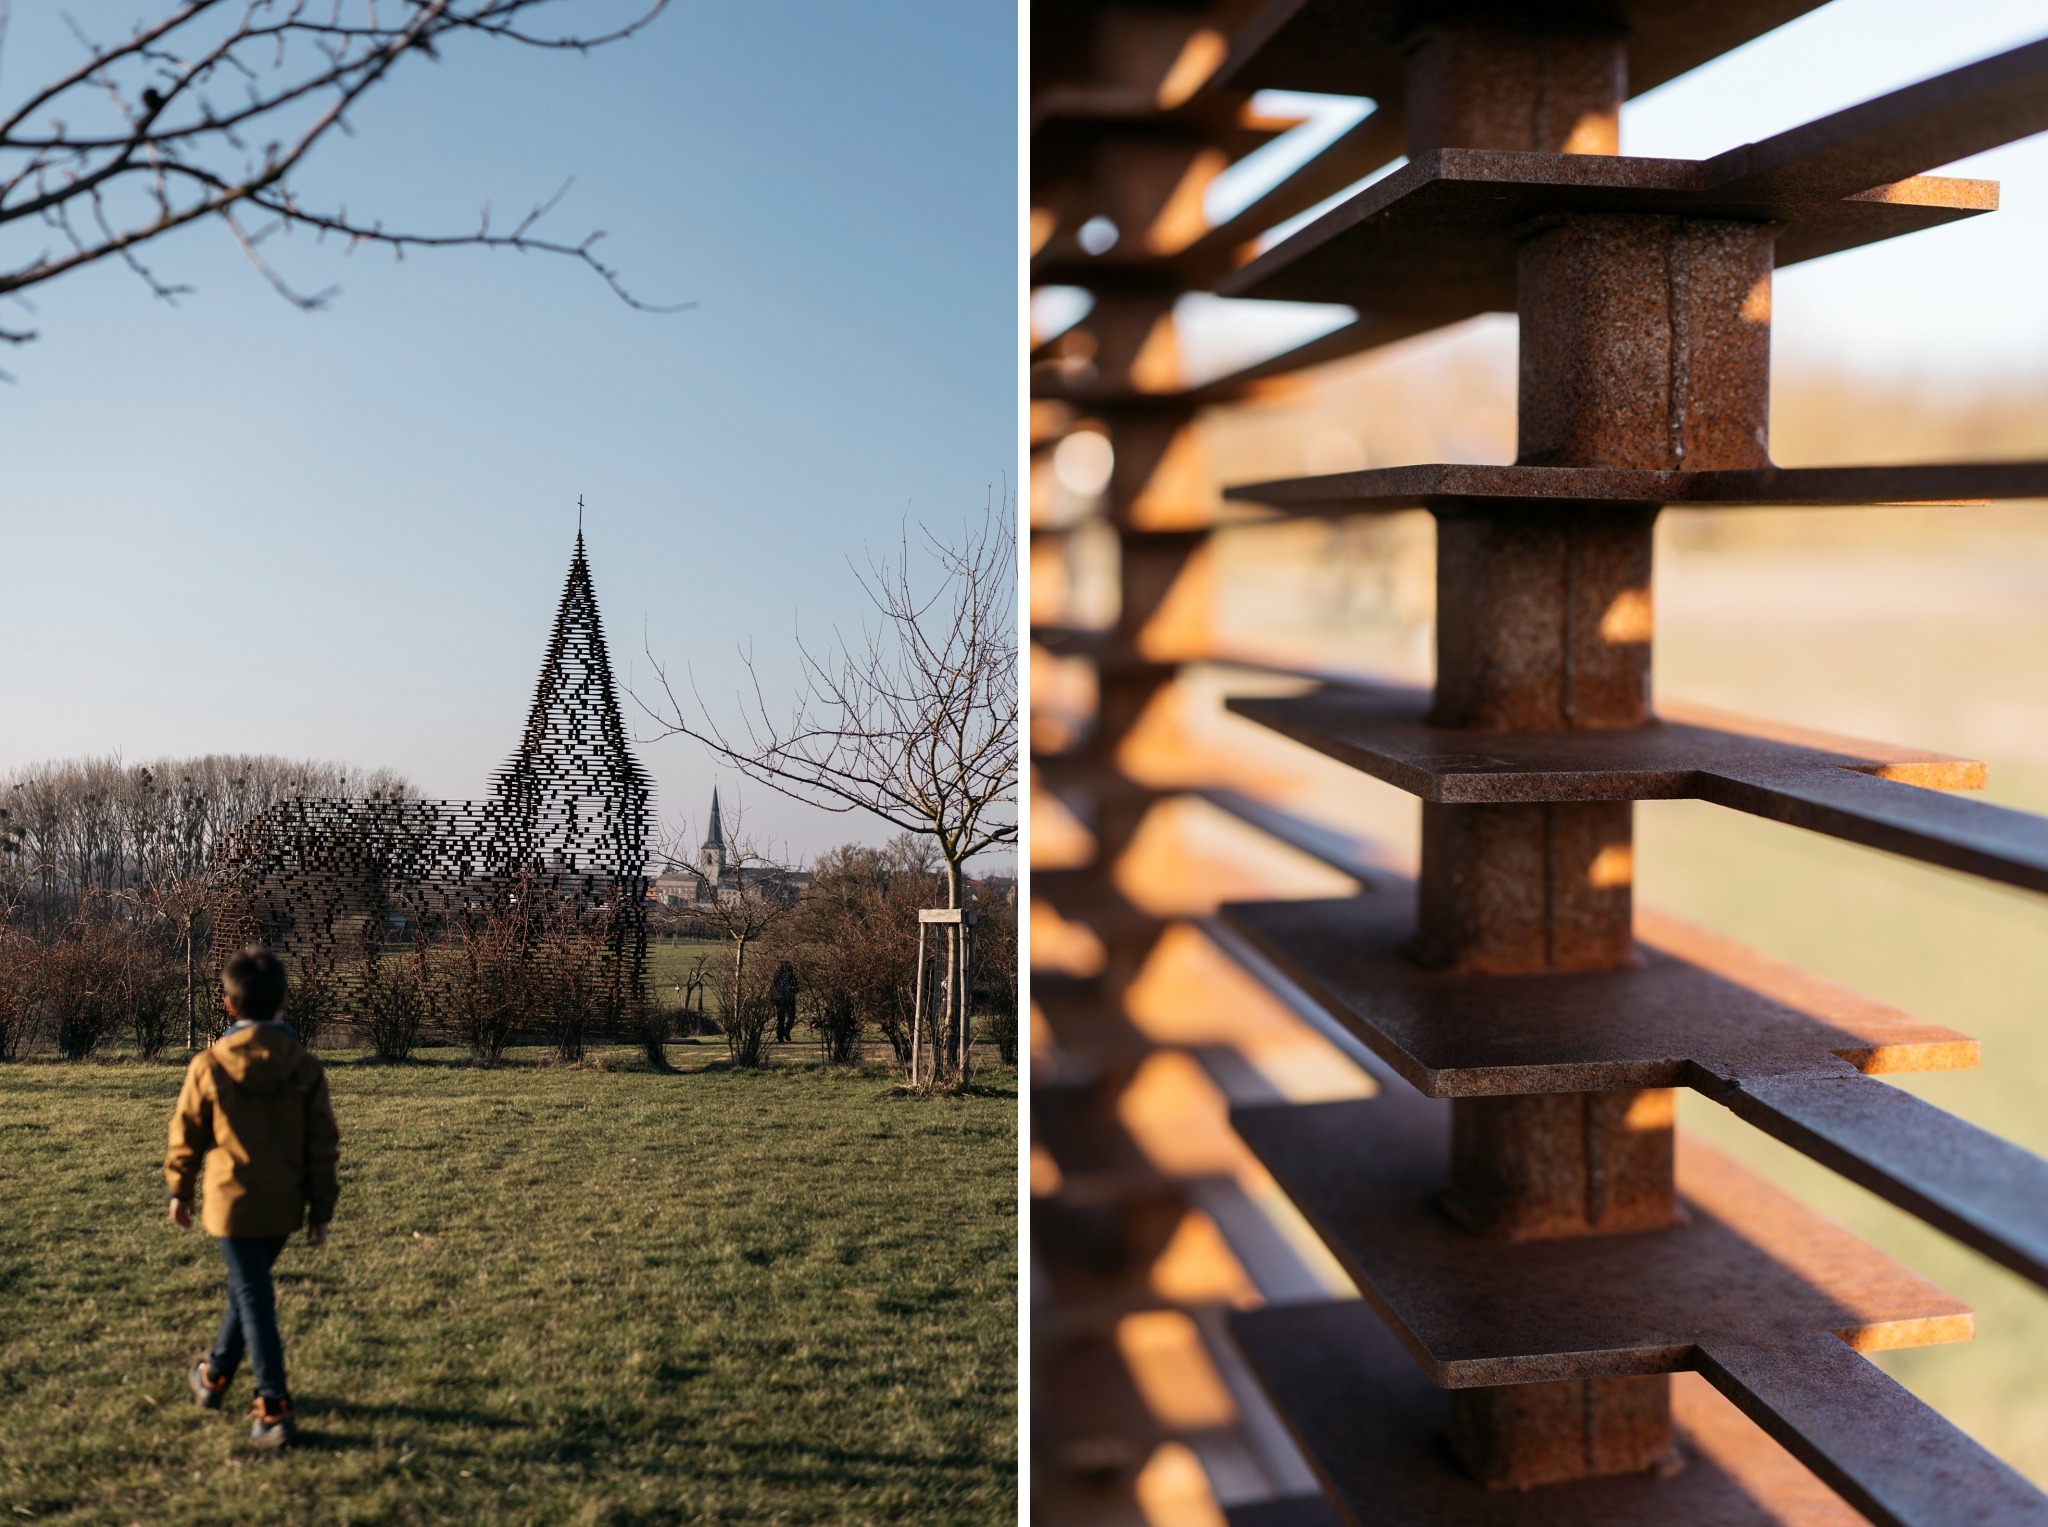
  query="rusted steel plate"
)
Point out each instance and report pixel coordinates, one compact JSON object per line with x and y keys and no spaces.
{"x":1440,"y":235}
{"x":1083,"y":896}
{"x":1092,"y":1420}
{"x":1089,"y":1025}
{"x":1110,"y":651}
{"x":1751,"y":1265}
{"x":1697,"y":1009}
{"x":1068,"y":120}
{"x":1072,"y":126}
{"x":1860,"y":793}
{"x":1779,"y":1047}
{"x":1984,"y":1191}
{"x":1088,"y":789}
{"x":1379,"y":729}
{"x":1097,"y":1158}
{"x":1371,"y":1426}
{"x":1292,"y":1511}
{"x":1354,"y":47}
{"x":1890,"y":1455}
{"x":1980,"y":106}
{"x":1991,"y":842}
{"x":1540,"y":488}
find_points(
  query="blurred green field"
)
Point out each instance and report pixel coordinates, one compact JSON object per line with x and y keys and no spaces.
{"x":669,"y":966}
{"x":1927,"y":627}
{"x":581,"y":1294}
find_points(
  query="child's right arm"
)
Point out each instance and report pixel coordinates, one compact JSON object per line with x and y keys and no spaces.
{"x":191,"y":1135}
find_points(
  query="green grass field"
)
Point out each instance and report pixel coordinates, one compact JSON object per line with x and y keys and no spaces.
{"x":591,"y":1294}
{"x":669,"y":965}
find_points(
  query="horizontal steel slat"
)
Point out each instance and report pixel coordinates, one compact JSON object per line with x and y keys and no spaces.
{"x":1352,"y":47}
{"x":1774,"y":1045}
{"x":1540,"y":490}
{"x":1440,"y":237}
{"x":1371,"y":1426}
{"x":1986,"y":1192}
{"x":1888,"y":1453}
{"x":1974,"y":837}
{"x":1865,"y":793}
{"x":1937,"y":121}
{"x":1749,"y":1263}
{"x":1328,"y":845}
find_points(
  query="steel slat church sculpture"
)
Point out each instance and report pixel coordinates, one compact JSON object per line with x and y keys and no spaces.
{"x":327,"y":881}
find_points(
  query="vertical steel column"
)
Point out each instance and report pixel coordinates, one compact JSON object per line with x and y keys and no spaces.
{"x":1644,"y":343}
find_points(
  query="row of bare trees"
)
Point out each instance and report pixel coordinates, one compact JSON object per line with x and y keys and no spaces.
{"x":841,"y":959}
{"x":81,"y":829}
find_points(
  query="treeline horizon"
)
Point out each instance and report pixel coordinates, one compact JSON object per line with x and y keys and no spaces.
{"x":75,"y":828}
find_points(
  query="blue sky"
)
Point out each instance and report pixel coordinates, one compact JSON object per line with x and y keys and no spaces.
{"x":232,"y":526}
{"x":1964,"y":303}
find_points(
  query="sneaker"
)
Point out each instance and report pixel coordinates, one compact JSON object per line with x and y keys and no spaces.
{"x":274,"y":1426}
{"x":205,"y":1388}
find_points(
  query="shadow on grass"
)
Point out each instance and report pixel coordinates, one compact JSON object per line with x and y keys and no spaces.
{"x":432,"y":1415}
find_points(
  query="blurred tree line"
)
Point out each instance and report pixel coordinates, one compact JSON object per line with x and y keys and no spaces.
{"x":104,"y":887}
{"x":106,"y":905}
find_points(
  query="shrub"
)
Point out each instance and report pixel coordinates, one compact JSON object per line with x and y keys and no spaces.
{"x":745,"y":1009}
{"x":491,"y":993}
{"x":837,"y":1021}
{"x":572,"y":986}
{"x":155,"y":987}
{"x":19,"y":957}
{"x":316,"y":1000}
{"x":80,"y":993}
{"x":397,"y":1001}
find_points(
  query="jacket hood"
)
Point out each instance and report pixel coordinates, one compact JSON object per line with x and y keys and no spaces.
{"x":259,"y":1056}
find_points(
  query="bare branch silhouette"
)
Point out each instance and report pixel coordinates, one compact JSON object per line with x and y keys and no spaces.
{"x":914,"y":722}
{"x":211,"y":109}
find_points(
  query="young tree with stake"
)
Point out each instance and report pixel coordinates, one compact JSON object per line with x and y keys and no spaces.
{"x":761,"y":895}
{"x":915,"y":722}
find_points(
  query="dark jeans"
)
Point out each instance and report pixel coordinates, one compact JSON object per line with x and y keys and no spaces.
{"x":251,"y":1321}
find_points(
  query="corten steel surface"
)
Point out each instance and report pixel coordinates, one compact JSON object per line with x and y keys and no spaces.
{"x":1690,"y":1008}
{"x":567,"y":821}
{"x":1358,"y":47}
{"x":1439,"y":237}
{"x":1540,"y":490}
{"x":1290,"y":1511}
{"x":1527,"y":1230}
{"x":1745,"y":1265}
{"x":1882,"y":797}
{"x":1371,"y":1423}
{"x":1781,"y":1048}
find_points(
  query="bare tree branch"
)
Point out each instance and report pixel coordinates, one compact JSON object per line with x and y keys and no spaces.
{"x":159,"y":130}
{"x":914,"y":721}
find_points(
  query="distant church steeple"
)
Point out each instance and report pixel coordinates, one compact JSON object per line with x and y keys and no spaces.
{"x":711,"y":856}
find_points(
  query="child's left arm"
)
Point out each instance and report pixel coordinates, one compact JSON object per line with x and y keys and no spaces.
{"x":323,"y":1149}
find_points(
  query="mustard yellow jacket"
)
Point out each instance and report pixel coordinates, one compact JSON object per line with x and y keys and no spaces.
{"x":254,"y":1112}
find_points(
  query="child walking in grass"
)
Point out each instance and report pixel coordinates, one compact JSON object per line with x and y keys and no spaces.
{"x":254,"y":1114}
